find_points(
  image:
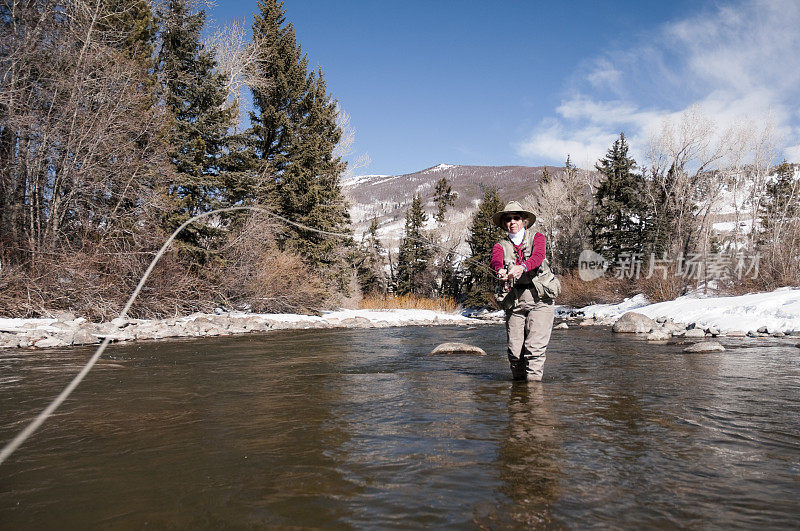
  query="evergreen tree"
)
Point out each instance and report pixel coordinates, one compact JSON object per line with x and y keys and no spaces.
{"x":620,"y":214}
{"x":452,"y":277}
{"x":444,"y":197}
{"x":370,"y":271}
{"x":668,"y":216}
{"x":309,"y":192}
{"x":414,"y":253}
{"x":195,"y":93}
{"x":294,"y":133}
{"x":483,"y":235}
{"x":130,"y":26}
{"x":279,"y":83}
{"x":546,"y":173}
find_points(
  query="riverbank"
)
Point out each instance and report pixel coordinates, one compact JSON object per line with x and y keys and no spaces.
{"x":66,"y":329}
{"x":757,"y":314}
{"x":772,"y":313}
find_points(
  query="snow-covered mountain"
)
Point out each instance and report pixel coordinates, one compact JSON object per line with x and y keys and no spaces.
{"x":727,"y":197}
{"x":387,"y":197}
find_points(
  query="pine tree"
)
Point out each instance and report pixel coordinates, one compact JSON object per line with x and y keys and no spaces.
{"x":620,"y":214}
{"x":452,"y":277}
{"x":444,"y":197}
{"x":279,"y":83}
{"x":414,"y":253}
{"x":308,"y":191}
{"x":195,"y":93}
{"x":294,"y":133}
{"x":370,"y":271}
{"x":667,"y":215}
{"x":546,"y":174}
{"x":130,"y":26}
{"x":483,"y":235}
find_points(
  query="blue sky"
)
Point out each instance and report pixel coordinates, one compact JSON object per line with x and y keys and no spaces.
{"x":528,"y":82}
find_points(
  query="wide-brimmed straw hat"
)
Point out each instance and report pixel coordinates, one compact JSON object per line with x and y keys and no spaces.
{"x":513,"y":207}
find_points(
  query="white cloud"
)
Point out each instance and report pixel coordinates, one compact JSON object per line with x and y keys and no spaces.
{"x":605,"y":75}
{"x":737,"y":63}
{"x":792,"y":153}
{"x":552,"y":142}
{"x":585,"y":130}
{"x":611,"y":112}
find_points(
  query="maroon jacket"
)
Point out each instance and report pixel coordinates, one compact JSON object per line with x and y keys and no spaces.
{"x":536,"y":259}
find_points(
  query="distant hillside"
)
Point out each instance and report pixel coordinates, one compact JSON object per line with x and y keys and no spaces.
{"x":388,"y":196}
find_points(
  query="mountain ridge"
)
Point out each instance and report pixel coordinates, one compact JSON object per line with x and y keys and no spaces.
{"x":387,"y":197}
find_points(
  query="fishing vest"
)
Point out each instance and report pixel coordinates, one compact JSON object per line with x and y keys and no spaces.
{"x":542,"y":279}
{"x":510,"y":254}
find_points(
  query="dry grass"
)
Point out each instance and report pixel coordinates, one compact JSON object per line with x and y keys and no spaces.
{"x":392,"y":302}
{"x":608,"y":289}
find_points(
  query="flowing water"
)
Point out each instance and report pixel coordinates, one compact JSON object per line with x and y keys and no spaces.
{"x":362,"y":428}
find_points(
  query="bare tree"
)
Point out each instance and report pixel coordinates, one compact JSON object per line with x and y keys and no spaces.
{"x":680,"y":159}
{"x":562,"y":205}
{"x":84,"y":126}
{"x":235,"y":56}
{"x":344,"y":146}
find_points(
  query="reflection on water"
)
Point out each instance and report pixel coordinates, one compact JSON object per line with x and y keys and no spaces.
{"x":528,"y":460}
{"x":362,"y":428}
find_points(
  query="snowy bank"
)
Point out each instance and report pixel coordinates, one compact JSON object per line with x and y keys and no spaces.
{"x":67,"y":330}
{"x":778,"y":311}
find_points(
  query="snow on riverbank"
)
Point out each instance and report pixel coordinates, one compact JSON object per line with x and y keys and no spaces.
{"x":66,"y":330}
{"x":778,"y":310}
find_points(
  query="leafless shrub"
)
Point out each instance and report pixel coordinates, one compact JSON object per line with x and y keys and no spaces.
{"x":96,"y":285}
{"x":662,"y":286}
{"x":249,"y":272}
{"x":255,"y":274}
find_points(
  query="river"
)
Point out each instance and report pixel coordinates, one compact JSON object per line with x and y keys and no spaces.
{"x":364,"y":429}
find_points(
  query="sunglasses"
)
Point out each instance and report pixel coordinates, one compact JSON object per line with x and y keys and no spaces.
{"x":514,"y":218}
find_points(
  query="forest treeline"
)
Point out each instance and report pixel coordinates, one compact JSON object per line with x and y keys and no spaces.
{"x":652,"y":224}
{"x":117,"y":124}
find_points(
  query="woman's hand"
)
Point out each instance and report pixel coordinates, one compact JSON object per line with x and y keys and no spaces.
{"x":502,"y":274}
{"x":516,"y":271}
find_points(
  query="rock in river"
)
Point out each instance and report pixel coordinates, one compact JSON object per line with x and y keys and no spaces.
{"x":83,"y":337}
{"x":634,"y":323}
{"x":659,"y":334}
{"x":458,"y":348}
{"x":695,"y":332}
{"x":705,"y":346}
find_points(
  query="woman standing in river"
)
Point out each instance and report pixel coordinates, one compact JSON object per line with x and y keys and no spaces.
{"x":517,"y":260}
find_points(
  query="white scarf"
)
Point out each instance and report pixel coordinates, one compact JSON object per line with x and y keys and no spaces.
{"x":517,"y":238}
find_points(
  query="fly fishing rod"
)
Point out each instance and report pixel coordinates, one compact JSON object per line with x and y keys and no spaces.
{"x":23,"y":435}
